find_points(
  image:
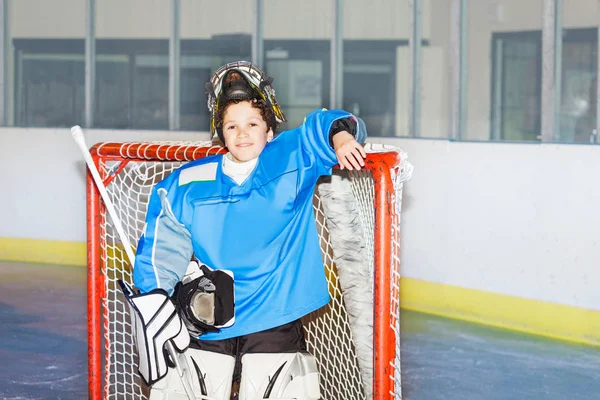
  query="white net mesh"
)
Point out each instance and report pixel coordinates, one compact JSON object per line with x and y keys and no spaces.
{"x":332,"y":336}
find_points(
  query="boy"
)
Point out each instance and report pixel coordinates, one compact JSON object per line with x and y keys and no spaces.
{"x":248,"y":216}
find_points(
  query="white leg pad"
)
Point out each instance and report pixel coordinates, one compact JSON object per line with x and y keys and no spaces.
{"x":215,"y":369}
{"x":281,"y":376}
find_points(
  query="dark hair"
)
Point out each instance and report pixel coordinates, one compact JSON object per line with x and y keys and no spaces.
{"x":266,"y":111}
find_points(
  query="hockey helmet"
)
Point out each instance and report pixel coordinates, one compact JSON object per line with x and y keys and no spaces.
{"x":253,"y":85}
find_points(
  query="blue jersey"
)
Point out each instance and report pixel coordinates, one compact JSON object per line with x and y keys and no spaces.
{"x":262,"y":230}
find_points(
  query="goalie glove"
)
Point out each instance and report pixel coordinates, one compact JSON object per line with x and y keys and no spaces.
{"x":155,"y":321}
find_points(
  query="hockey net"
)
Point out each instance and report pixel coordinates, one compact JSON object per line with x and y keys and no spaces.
{"x":358,"y":357}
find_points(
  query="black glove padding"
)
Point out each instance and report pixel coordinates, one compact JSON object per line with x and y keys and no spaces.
{"x":206,"y":302}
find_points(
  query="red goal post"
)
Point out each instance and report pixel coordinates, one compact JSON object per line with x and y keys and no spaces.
{"x":129,"y":170}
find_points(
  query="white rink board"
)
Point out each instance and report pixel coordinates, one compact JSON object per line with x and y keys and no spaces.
{"x":515,"y":219}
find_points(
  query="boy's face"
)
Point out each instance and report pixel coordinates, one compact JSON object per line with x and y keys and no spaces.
{"x":245,"y":132}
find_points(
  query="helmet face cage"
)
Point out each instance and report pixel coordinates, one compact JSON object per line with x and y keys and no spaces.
{"x":256,"y":78}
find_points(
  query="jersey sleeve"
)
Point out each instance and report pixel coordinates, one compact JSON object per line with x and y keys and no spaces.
{"x":165,"y":247}
{"x":316,"y":131}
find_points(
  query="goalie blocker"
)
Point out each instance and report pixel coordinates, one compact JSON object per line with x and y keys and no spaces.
{"x":202,"y":302}
{"x":155,"y":321}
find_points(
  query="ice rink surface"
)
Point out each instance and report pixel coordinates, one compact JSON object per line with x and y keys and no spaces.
{"x":43,"y":349}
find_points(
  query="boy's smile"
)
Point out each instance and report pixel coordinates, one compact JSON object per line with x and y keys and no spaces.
{"x":245,"y":132}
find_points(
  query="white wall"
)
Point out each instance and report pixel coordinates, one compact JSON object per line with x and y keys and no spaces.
{"x":283,"y":19}
{"x":517,"y":219}
{"x":46,"y":19}
{"x":203,"y":19}
{"x":580,"y":13}
{"x":133,"y":19}
{"x":43,"y":179}
{"x":381,"y":19}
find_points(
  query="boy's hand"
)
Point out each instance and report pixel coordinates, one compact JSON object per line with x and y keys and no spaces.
{"x":349,"y":152}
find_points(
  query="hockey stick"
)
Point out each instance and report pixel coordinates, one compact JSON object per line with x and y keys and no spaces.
{"x":181,"y":367}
